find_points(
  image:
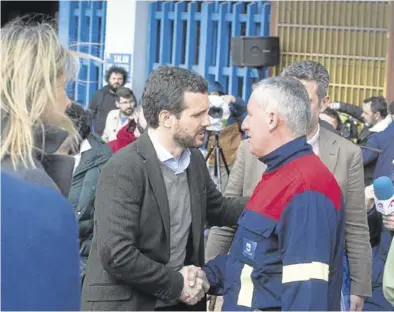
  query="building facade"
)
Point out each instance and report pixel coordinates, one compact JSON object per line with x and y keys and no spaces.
{"x":351,"y":38}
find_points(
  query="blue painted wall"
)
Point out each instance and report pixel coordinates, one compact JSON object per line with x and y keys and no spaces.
{"x":197,"y":35}
{"x":82,"y":28}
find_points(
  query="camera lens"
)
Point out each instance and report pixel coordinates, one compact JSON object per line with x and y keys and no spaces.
{"x":215,"y":112}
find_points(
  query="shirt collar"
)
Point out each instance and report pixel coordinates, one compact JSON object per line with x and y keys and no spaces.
{"x":177,"y":165}
{"x":85,"y":146}
{"x":315,"y":137}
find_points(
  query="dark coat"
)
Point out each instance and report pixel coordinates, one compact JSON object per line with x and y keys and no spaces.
{"x":39,"y":249}
{"x":126,"y":267}
{"x":384,"y":142}
{"x":103,"y":101}
{"x":379,"y":255}
{"x":83,"y":191}
{"x":51,"y":169}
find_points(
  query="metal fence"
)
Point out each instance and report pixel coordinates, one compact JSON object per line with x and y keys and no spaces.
{"x":82,"y":28}
{"x":197,"y":35}
{"x":348,"y":37}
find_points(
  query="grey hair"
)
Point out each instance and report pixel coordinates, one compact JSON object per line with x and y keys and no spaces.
{"x":310,"y":71}
{"x":290,"y":98}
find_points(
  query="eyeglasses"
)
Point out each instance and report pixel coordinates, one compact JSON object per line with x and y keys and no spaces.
{"x":127,"y":102}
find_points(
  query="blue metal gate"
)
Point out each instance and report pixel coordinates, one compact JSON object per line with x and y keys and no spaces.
{"x":197,"y":35}
{"x":82,"y":28}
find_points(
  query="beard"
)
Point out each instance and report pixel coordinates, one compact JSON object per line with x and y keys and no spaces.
{"x":371,"y":122}
{"x":127,"y":112}
{"x":181,"y":138}
{"x":114,"y":87}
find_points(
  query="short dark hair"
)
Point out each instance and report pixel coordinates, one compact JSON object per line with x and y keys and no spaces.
{"x":310,"y":71}
{"x":81,"y":119}
{"x":125,"y":93}
{"x":164,"y":90}
{"x":391,"y":108}
{"x":333,"y":114}
{"x":116,"y":70}
{"x":378,"y":104}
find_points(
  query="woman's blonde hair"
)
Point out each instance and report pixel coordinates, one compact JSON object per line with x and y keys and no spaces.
{"x":32,"y":61}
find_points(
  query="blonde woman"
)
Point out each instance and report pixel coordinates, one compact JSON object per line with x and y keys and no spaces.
{"x":35,"y":69}
{"x":39,"y":234}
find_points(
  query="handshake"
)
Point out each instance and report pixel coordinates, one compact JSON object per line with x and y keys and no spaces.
{"x":195,"y":285}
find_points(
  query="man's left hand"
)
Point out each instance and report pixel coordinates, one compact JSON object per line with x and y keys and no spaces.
{"x":388,"y":222}
{"x":356,"y":303}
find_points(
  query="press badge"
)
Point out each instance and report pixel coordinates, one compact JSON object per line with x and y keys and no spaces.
{"x":249,"y":248}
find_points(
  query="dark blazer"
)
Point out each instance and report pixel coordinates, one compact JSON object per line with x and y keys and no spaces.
{"x":126,"y":267}
{"x":83,"y":192}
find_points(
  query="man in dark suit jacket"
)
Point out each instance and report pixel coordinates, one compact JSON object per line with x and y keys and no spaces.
{"x":153,"y":199}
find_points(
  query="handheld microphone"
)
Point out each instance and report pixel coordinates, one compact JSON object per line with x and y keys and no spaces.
{"x":384,"y":195}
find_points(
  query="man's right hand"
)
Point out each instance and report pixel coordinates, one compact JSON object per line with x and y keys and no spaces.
{"x":369,"y":197}
{"x":195,"y":285}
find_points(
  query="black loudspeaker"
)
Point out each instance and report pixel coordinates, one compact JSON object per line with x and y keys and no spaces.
{"x":255,"y":51}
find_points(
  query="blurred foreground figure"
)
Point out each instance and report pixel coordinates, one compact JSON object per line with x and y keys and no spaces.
{"x":35,"y":69}
{"x":39,"y":249}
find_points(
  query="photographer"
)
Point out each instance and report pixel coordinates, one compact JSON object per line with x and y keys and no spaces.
{"x":332,"y":117}
{"x":373,"y":114}
{"x":376,"y":118}
{"x":347,"y":129}
{"x":230,"y":133}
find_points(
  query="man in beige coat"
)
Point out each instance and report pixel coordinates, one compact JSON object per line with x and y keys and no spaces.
{"x":342,"y":157}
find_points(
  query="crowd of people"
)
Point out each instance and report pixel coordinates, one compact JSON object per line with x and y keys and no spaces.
{"x":115,"y":207}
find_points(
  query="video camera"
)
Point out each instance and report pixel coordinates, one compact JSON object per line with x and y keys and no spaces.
{"x":349,"y":128}
{"x":220,"y":111}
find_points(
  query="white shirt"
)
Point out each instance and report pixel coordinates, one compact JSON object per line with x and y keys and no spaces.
{"x":314,"y":141}
{"x":85,"y":146}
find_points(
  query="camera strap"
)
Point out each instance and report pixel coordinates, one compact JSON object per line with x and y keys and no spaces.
{"x":371,"y":149}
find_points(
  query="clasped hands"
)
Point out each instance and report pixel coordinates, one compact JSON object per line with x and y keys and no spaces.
{"x":195,"y":284}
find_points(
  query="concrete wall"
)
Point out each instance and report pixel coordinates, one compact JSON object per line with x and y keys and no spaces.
{"x":127,"y":33}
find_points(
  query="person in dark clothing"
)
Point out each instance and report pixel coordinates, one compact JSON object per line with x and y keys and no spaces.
{"x":104,"y":99}
{"x":90,"y":153}
{"x":391,"y":110}
{"x":381,"y":235}
{"x":383,"y":143}
{"x":153,"y":199}
{"x":375,"y":116}
{"x":332,"y":117}
{"x":39,"y":249}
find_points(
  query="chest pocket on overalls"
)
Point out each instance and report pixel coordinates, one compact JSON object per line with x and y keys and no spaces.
{"x":257,"y":253}
{"x":257,"y":238}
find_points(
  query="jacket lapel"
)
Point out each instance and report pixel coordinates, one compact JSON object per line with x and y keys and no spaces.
{"x":195,"y":202}
{"x":328,"y":149}
{"x":152,"y":165}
